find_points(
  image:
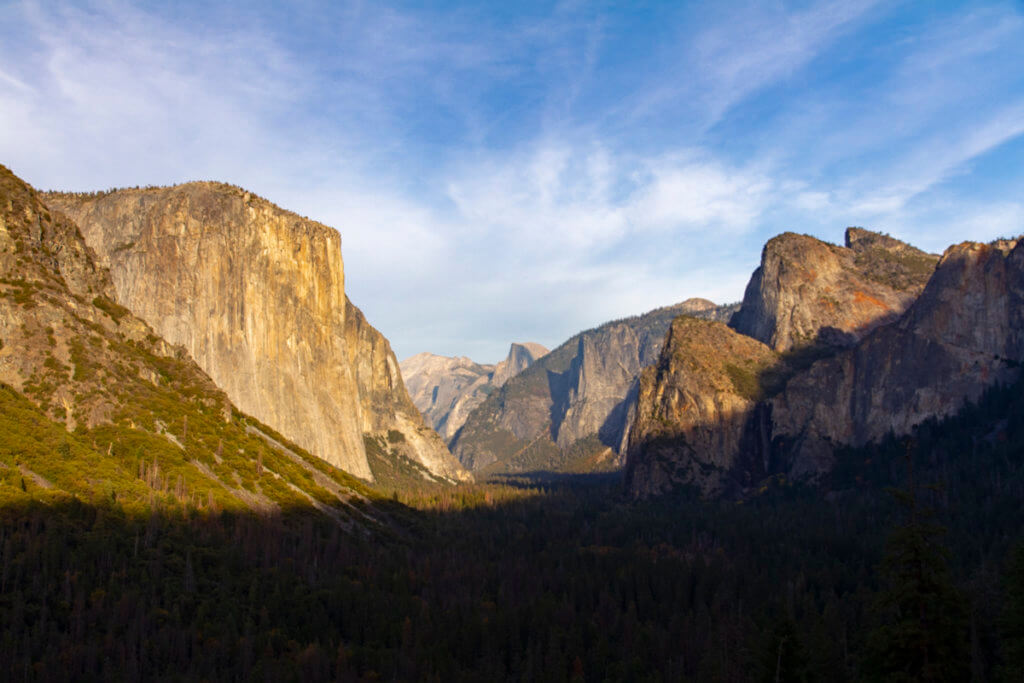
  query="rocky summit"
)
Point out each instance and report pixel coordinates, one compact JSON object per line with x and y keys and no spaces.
{"x":256,"y":296}
{"x":94,"y":405}
{"x":808,"y":292}
{"x":571,"y":409}
{"x":724,"y":416}
{"x":447,"y":389}
{"x":963,"y":334}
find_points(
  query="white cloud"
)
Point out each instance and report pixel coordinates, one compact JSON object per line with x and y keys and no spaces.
{"x":700,"y":195}
{"x":812,"y":200}
{"x":951,"y":43}
{"x":589,"y":198}
{"x":1001,"y":219}
{"x":934,"y":226}
{"x":122,"y":97}
{"x":932,"y":161}
{"x":495,"y":181}
{"x":751,"y":49}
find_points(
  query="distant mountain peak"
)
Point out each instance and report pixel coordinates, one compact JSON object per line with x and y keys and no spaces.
{"x":520,"y":356}
{"x":697,"y":304}
{"x":571,"y":409}
{"x":447,"y":389}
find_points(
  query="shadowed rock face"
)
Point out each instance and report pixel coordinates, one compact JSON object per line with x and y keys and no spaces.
{"x":962,"y":334}
{"x":694,"y":407}
{"x":808,"y":292}
{"x":572,"y":408}
{"x":446,"y":390}
{"x":256,"y":295}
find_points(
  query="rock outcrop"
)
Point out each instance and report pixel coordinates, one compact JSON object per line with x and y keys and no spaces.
{"x":808,"y":292}
{"x":446,"y":390}
{"x":965,"y":332}
{"x":386,"y":404}
{"x":693,"y":420}
{"x":256,"y":296}
{"x":962,"y":334}
{"x":571,"y":409}
{"x":53,"y":297}
{"x":520,"y":357}
{"x":99,"y":407}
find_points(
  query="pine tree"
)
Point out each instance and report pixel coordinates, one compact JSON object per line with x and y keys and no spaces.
{"x":783,"y":659}
{"x":922,"y":634}
{"x":1013,"y":619}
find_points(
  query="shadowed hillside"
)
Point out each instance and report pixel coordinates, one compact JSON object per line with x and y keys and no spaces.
{"x":561,"y":581}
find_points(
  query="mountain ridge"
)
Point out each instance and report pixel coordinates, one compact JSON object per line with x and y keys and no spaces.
{"x":572,"y":407}
{"x":97,"y":407}
{"x":256,"y":294}
{"x":446,"y":389}
{"x":959,"y":336}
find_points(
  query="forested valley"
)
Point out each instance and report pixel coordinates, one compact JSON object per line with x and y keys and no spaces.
{"x":908,"y":560}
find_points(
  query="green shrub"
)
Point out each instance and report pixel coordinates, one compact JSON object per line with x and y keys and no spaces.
{"x":114,"y":310}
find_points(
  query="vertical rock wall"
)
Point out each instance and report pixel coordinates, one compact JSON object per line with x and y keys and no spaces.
{"x":964,"y":332}
{"x":808,"y":292}
{"x":256,"y":295}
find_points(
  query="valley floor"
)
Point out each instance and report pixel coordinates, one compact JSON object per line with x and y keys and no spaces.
{"x":554,"y":579}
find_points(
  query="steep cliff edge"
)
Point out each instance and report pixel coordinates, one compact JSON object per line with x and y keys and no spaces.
{"x":387,"y":407}
{"x":808,"y":292}
{"x":254,"y":293}
{"x":95,"y":406}
{"x":571,"y":409}
{"x":520,"y":357}
{"x":962,"y":334}
{"x":446,"y":390}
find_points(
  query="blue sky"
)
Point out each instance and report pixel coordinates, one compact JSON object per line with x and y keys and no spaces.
{"x":521,"y":171}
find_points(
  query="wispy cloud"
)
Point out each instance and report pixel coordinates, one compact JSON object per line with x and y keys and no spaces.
{"x":740,"y":51}
{"x":935,"y":160}
{"x":754,"y":48}
{"x":11,"y":81}
{"x":587,"y":197}
{"x":134,"y":98}
{"x":522,"y":172}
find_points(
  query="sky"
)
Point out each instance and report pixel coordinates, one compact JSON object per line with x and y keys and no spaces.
{"x":521,"y":171}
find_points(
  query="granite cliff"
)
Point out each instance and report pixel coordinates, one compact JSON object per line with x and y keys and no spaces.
{"x":96,"y":406}
{"x":256,"y":296}
{"x":447,"y":389}
{"x":809,"y":292}
{"x":571,"y":409}
{"x":386,"y":405}
{"x":962,"y":333}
